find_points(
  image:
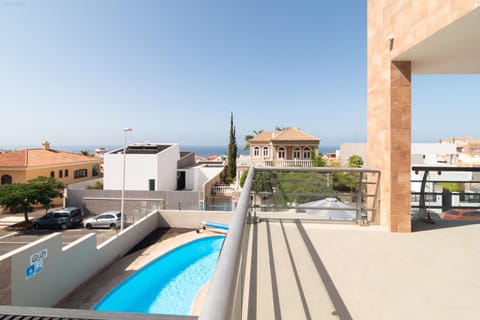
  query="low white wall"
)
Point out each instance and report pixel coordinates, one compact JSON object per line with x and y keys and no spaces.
{"x":64,"y":269}
{"x":191,"y":219}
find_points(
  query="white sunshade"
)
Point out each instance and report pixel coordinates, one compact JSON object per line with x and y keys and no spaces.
{"x":329,"y":214}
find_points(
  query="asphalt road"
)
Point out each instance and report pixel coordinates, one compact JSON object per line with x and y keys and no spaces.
{"x":11,"y":240}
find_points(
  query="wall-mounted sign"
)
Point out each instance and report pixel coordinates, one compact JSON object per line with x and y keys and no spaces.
{"x":36,"y":263}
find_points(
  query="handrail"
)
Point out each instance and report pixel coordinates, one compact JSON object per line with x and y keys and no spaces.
{"x":219,"y":302}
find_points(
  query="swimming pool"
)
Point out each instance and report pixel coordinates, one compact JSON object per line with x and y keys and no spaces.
{"x":169,"y":284}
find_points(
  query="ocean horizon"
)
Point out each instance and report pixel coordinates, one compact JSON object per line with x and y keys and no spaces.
{"x":200,"y":150}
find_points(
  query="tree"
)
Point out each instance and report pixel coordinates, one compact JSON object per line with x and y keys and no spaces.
{"x":250,"y":136}
{"x":85,"y":153}
{"x":355,"y":161}
{"x":17,"y":197}
{"x":317,"y":159}
{"x":232,"y":153}
{"x":20,"y":197}
{"x":45,"y":190}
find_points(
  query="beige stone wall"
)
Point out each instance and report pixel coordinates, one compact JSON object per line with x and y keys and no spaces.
{"x":17,"y":176}
{"x":389,"y":92}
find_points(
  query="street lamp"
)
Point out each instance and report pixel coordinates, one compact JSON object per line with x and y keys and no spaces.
{"x":125,"y":130}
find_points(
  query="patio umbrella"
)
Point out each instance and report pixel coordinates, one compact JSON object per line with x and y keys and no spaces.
{"x":327,"y":212}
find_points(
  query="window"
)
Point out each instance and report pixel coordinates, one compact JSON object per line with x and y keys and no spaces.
{"x":281,"y":153}
{"x":151,"y":185}
{"x":95,"y":170}
{"x":52,"y":174}
{"x":296,"y":153}
{"x":475,"y":214}
{"x":265,"y":152}
{"x":6,"y":179}
{"x":66,"y":173}
{"x":80,"y":173}
{"x":306,"y":153}
{"x":256,"y":152}
{"x":60,"y":173}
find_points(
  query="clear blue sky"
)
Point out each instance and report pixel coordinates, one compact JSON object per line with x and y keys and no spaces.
{"x":77,"y":72}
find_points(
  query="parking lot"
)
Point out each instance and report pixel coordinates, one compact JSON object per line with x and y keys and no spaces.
{"x":11,"y":240}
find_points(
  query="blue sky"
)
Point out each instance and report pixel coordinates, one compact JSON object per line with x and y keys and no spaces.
{"x":77,"y":72}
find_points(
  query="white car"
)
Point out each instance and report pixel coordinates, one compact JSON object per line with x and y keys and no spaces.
{"x":109,"y":219}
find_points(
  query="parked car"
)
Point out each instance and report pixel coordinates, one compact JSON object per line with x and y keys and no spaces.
{"x":61,"y":218}
{"x":109,"y":219}
{"x":461,"y":214}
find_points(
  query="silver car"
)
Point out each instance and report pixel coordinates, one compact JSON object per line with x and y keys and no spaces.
{"x":109,"y":219}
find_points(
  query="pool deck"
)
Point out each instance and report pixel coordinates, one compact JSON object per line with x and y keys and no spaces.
{"x":88,"y":295}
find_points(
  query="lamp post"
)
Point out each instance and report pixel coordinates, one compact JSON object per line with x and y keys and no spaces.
{"x":125,"y":130}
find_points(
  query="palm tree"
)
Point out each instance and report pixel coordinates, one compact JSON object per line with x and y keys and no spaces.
{"x":250,"y":136}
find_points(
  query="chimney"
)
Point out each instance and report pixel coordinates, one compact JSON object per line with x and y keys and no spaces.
{"x":46,"y":145}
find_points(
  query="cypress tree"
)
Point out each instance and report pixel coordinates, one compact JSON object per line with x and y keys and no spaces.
{"x":232,"y":153}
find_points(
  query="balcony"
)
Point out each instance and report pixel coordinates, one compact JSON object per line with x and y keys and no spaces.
{"x":269,"y":266}
{"x":280,"y":262}
{"x":248,"y":162}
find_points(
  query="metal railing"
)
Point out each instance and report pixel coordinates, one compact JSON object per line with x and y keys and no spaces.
{"x":277,"y":163}
{"x":225,"y":286}
{"x":224,"y":297}
{"x":436,"y":189}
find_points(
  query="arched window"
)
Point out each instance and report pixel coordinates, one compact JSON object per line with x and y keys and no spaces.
{"x":52,"y":174}
{"x":296,"y":153}
{"x":265,"y":152}
{"x":256,"y":151}
{"x":281,"y":153}
{"x":95,"y":170}
{"x":306,"y":153}
{"x":60,"y":173}
{"x":6,"y":179}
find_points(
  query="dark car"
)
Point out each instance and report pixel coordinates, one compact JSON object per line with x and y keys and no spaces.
{"x":62,"y":218}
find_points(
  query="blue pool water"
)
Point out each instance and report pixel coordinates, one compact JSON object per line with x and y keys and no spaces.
{"x":169,"y":284}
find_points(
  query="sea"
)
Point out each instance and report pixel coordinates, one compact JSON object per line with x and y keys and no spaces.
{"x":199,"y":150}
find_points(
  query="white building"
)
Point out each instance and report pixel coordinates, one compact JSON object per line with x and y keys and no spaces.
{"x":147,"y":167}
{"x":156,"y":167}
{"x":422,"y":153}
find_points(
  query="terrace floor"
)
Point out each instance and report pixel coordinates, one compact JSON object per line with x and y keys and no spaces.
{"x":308,"y":270}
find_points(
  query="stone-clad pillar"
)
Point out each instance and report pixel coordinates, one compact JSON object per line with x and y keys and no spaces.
{"x":400,"y":141}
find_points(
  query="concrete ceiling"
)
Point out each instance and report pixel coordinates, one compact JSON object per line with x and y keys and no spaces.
{"x":454,"y":49}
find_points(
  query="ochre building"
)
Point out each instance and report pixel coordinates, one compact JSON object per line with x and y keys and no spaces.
{"x":23,"y":165}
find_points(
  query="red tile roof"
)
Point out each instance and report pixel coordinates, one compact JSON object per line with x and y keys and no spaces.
{"x":288,"y":135}
{"x":41,"y":157}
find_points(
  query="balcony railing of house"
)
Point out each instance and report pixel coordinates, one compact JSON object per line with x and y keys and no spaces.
{"x":333,"y":194}
{"x":226,"y":189}
{"x":278,"y":163}
{"x":437,"y":189}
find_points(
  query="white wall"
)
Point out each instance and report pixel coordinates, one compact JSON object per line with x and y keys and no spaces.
{"x":140,"y":168}
{"x":422,"y":153}
{"x":112,"y":171}
{"x":166,"y":179}
{"x":66,"y":268}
